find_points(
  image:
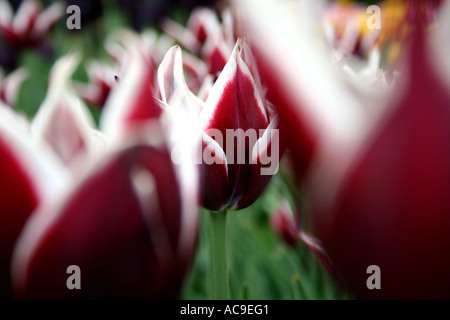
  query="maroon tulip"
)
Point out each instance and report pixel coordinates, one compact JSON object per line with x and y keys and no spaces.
{"x":29,"y":25}
{"x":234,"y":116}
{"x":393,"y":209}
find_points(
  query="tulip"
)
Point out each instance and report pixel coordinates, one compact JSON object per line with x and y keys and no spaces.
{"x":124,"y":226}
{"x":379,"y":193}
{"x":30,"y":23}
{"x":205,"y":37}
{"x":236,"y":105}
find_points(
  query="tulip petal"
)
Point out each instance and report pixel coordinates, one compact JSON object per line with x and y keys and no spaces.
{"x":215,"y":53}
{"x":213,"y":174}
{"x":47,"y":18}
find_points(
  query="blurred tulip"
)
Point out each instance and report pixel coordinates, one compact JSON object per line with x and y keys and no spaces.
{"x":380,"y":189}
{"x":101,"y":81}
{"x":29,"y":25}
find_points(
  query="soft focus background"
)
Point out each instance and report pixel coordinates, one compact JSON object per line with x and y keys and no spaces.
{"x":262,"y":265}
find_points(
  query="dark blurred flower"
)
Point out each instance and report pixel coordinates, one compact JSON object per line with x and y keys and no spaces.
{"x":101,"y":81}
{"x":29,"y":24}
{"x":236,"y":105}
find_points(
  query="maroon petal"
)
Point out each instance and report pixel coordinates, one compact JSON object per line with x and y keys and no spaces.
{"x":18,"y":199}
{"x":121,"y":226}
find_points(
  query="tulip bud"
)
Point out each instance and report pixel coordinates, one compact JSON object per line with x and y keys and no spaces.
{"x":238,"y":141}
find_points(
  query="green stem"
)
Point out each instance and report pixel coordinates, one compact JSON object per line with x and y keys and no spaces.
{"x":218,"y":235}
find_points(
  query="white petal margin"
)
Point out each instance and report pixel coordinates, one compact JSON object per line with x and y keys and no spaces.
{"x":6,"y":13}
{"x":184,"y":144}
{"x":271,"y":137}
{"x":227,"y":75}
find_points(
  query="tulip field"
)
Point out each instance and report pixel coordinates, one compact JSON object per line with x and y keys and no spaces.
{"x":224,"y":150}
